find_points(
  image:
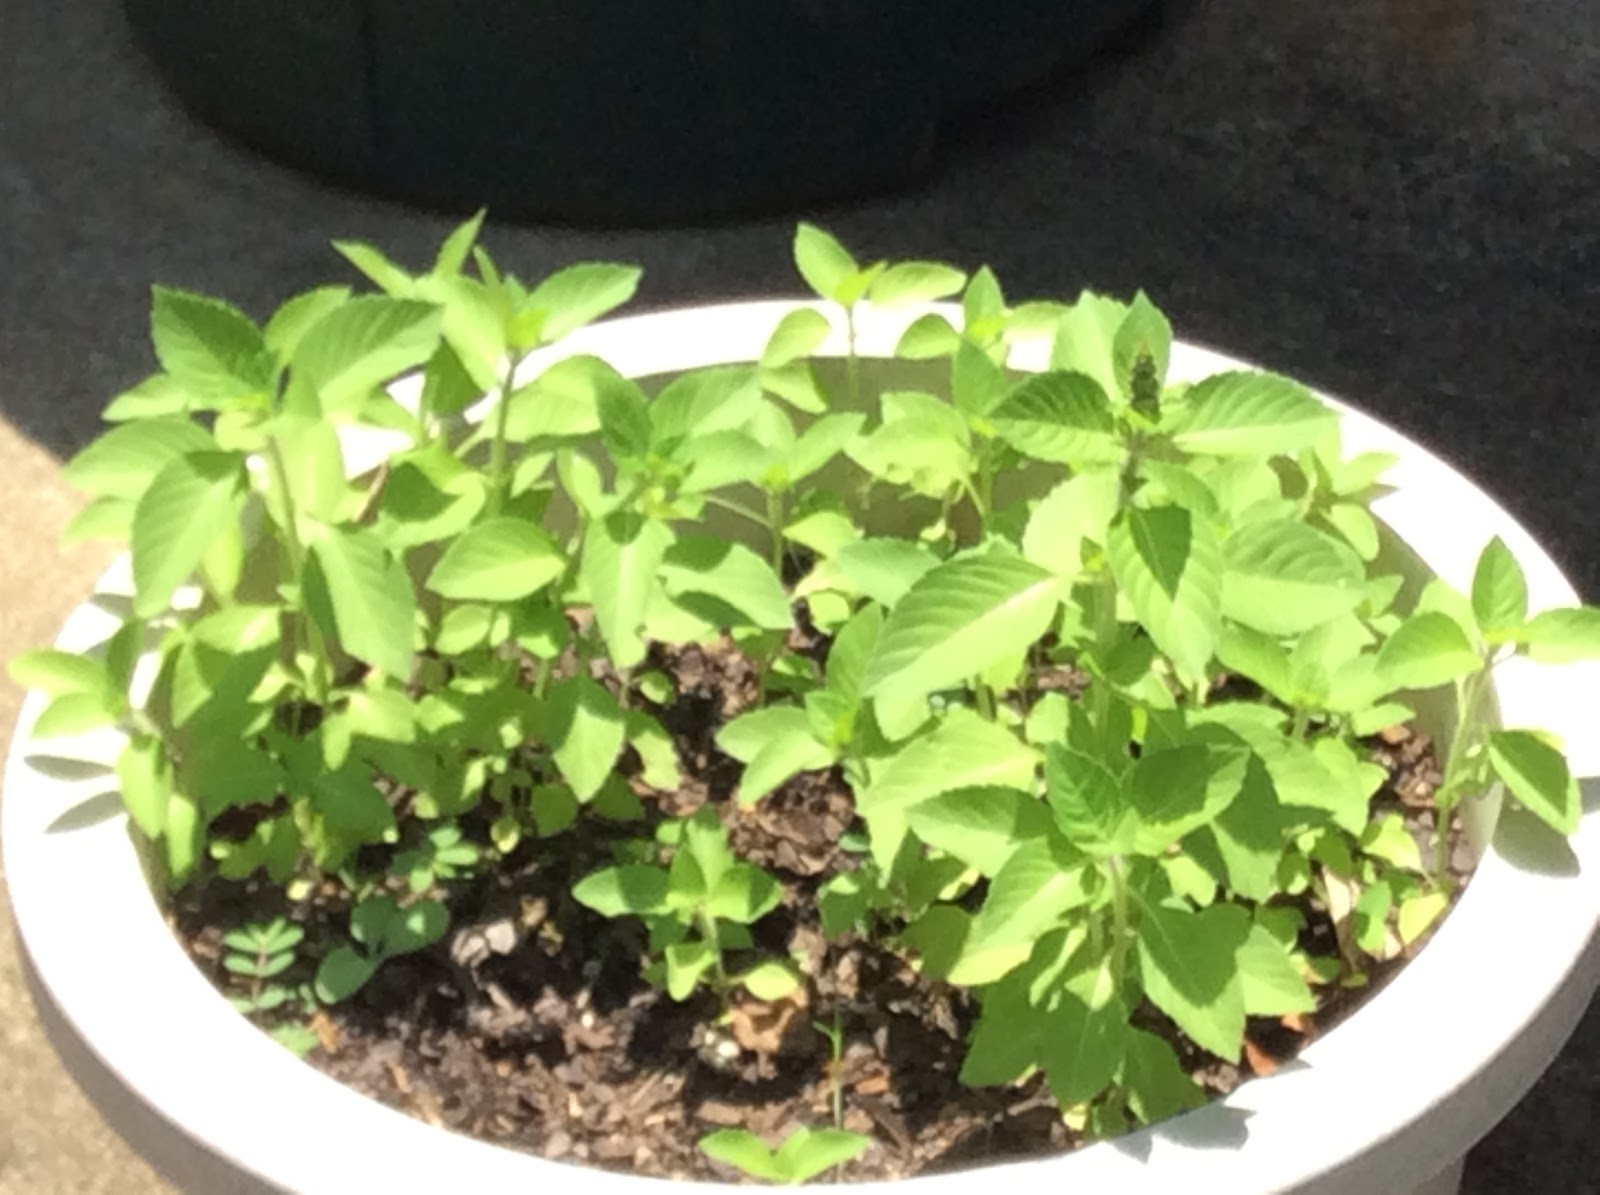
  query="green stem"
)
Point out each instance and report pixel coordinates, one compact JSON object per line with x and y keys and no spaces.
{"x":1464,"y":747}
{"x":318,"y":681}
{"x":774,"y":520}
{"x":1105,"y":631}
{"x":853,"y":362}
{"x":499,"y":481}
{"x":985,"y":699}
{"x":708,"y":931}
{"x":738,"y":508}
{"x":1302,"y":723}
{"x":1119,"y":920}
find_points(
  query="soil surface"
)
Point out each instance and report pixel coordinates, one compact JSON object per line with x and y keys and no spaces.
{"x":529,"y":1024}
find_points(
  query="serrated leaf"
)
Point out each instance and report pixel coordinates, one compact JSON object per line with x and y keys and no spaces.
{"x":1359,"y":528}
{"x":982,"y":827}
{"x":823,"y":262}
{"x":1039,"y":882}
{"x":1061,"y":417}
{"x":580,"y":294}
{"x":848,"y":656}
{"x":1250,"y":414}
{"x":743,"y":894}
{"x":1187,"y":963}
{"x":360,"y":345}
{"x":585,"y":729}
{"x":716,"y":399}
{"x":58,"y":672}
{"x":1144,"y":331}
{"x":211,"y":347}
{"x":957,"y":620}
{"x":1269,"y":978}
{"x":885,"y":569}
{"x":1083,"y":1046}
{"x":1078,"y":509}
{"x":1388,"y":839}
{"x":501,"y":560}
{"x":820,"y":443}
{"x":798,"y":334}
{"x":962,"y":750}
{"x":191,"y":502}
{"x":296,"y":317}
{"x":724,"y":583}
{"x":1538,"y":776}
{"x":617,"y":891}
{"x":1283,"y":577}
{"x":373,"y":604}
{"x":1249,"y":835}
{"x":1426,"y":650}
{"x":123,"y":461}
{"x":1499,"y":593}
{"x":1086,"y":337}
{"x":1178,"y":789}
{"x":621,"y":560}
{"x":1170,"y":569}
{"x":1157,"y":1084}
{"x":1089,"y":802}
{"x":686,"y":962}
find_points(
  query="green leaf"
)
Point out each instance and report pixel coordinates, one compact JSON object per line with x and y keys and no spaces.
{"x":1090,"y":804}
{"x":1284,"y":577}
{"x":456,"y":247}
{"x":1083,"y":1045}
{"x":982,"y":827}
{"x":389,"y":277}
{"x":781,"y":757}
{"x":1170,"y":569}
{"x":621,"y":559}
{"x":585,"y":730}
{"x":962,"y":750}
{"x":104,"y":518}
{"x":928,"y":336}
{"x":146,"y":781}
{"x":616,"y":891}
{"x":1042,"y":880}
{"x":1388,"y":839}
{"x":1499,"y":593}
{"x":1144,"y":331}
{"x":1156,"y":1083}
{"x":959,"y":619}
{"x":820,"y":443}
{"x":770,"y":981}
{"x":908,"y":283}
{"x":624,"y":419}
{"x":1426,"y":650}
{"x":1562,"y":635}
{"x":976,"y":382}
{"x":724,"y":583}
{"x":807,"y":1152}
{"x":296,"y":317}
{"x":823,"y":262}
{"x":342,"y":973}
{"x":415,"y":927}
{"x":1078,"y":509}
{"x":374,"y":607}
{"x":579,"y":295}
{"x":1179,"y":789}
{"x":1086,"y":337}
{"x":212,"y":348}
{"x":501,"y":560}
{"x":1188,"y":965}
{"x":1418,"y":913}
{"x":191,"y":502}
{"x":1250,"y":414}
{"x":1269,"y":978}
{"x":1060,"y":417}
{"x":1249,"y":835}
{"x":366,"y":342}
{"x":1359,"y":528}
{"x":686,"y":962}
{"x":123,"y":461}
{"x":798,"y":334}
{"x":58,"y":672}
{"x":885,"y":569}
{"x":743,"y":894}
{"x":554,"y":808}
{"x":1538,"y":776}
{"x":745,"y":1151}
{"x":693,"y":405}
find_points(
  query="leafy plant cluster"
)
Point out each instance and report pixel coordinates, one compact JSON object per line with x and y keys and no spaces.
{"x":1031,"y":588}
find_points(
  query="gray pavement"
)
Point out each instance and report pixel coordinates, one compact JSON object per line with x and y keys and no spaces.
{"x":1398,"y":200}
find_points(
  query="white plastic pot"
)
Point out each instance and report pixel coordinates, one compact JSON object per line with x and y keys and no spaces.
{"x":1387,"y":1102}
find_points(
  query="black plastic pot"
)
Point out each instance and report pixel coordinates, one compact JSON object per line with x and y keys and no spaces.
{"x":608,"y":110}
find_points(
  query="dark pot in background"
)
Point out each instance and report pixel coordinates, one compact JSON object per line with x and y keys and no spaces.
{"x":636,"y":111}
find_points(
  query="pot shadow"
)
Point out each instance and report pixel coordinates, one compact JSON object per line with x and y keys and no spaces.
{"x":1214,"y":1126}
{"x":1527,"y":843}
{"x":93,"y":811}
{"x":67,"y":769}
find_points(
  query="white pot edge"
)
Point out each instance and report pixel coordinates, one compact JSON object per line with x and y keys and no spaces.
{"x":1389,"y":1098}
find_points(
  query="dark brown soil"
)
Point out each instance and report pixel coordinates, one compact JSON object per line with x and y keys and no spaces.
{"x":529,"y":1025}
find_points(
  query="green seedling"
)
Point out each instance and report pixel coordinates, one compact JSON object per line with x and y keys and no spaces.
{"x":259,"y":953}
{"x":696,"y":908}
{"x":383,"y":928}
{"x":441,"y":856}
{"x":804,"y":1154}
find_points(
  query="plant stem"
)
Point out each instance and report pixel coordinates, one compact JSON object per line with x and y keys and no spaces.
{"x":1119,"y":920}
{"x":1105,"y":630}
{"x":708,"y":931}
{"x":1302,"y":723}
{"x":737,"y":508}
{"x":984,"y":696}
{"x":499,"y":482}
{"x":1464,"y":747}
{"x":853,"y":362}
{"x":775,"y":529}
{"x":318,"y":682}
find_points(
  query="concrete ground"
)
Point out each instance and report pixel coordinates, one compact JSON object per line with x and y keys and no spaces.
{"x":1398,"y":200}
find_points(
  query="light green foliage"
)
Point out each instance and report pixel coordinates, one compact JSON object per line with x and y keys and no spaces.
{"x":995,"y":607}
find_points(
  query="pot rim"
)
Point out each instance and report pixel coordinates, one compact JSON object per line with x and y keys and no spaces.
{"x":1471,"y":1021}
